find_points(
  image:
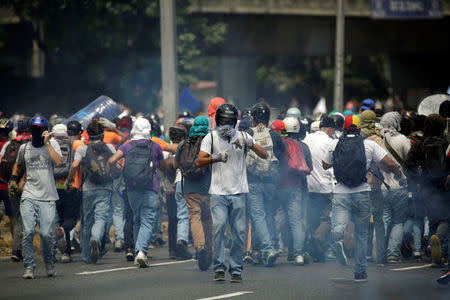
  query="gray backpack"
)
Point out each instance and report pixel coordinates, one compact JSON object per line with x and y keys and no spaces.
{"x":259,"y":166}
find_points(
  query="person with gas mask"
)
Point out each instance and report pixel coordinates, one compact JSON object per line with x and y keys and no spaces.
{"x":225,"y":149}
{"x":39,"y":193}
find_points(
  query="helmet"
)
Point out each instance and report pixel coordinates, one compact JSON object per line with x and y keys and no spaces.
{"x":292,"y":125}
{"x":177,"y":133}
{"x":368,"y":104}
{"x":154,"y":117}
{"x":278,"y":126}
{"x":6,"y":124}
{"x":187,"y":123}
{"x":260,"y":114}
{"x":74,"y":128}
{"x":226,"y":114}
{"x":338,"y":120}
{"x":39,"y":121}
{"x":352,"y":123}
{"x":294,"y":112}
{"x":185,"y":113}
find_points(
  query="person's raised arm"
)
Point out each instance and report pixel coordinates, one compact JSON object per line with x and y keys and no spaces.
{"x":55,"y":157}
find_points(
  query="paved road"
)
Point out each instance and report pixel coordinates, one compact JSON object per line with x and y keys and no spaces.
{"x":169,"y":279}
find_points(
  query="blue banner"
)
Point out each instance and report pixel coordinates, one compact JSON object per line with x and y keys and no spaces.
{"x":406,"y":9}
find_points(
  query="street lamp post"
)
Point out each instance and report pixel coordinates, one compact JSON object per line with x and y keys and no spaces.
{"x":338,"y":96}
{"x":168,"y":61}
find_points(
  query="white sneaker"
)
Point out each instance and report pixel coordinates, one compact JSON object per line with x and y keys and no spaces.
{"x":50,"y":267}
{"x":142,"y":260}
{"x":299,"y":261}
{"x":28,"y":274}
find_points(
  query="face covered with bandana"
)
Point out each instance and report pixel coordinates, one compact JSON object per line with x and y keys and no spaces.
{"x":37,"y":140}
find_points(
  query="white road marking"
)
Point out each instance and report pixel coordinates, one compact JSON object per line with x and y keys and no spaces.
{"x":412,"y":268}
{"x":135,"y":267}
{"x":227,"y":295}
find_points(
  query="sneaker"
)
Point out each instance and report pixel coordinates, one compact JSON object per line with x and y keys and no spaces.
{"x":103,"y":250}
{"x":436,"y":251}
{"x":50,"y":267}
{"x":393,"y":259}
{"x":202,"y":260}
{"x":299,"y":261}
{"x":236,"y":278}
{"x":270,"y":259}
{"x":94,"y":251}
{"x":159,"y":241}
{"x":257,"y":258}
{"x":340,"y":253}
{"x":129,"y":254}
{"x":29,"y":273}
{"x":445,"y":277}
{"x":142,"y":260}
{"x":61,"y":243}
{"x":182,"y":251}
{"x":291,"y":256}
{"x":306,"y":257}
{"x":16,"y":255}
{"x":330,"y":255}
{"x":118,"y":246}
{"x":248,"y":258}
{"x":219,"y":276}
{"x":417,"y":256}
{"x":66,"y":258}
{"x":361,"y":277}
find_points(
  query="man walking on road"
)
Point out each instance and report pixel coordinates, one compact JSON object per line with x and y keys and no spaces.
{"x":350,"y":157}
{"x":39,"y":193}
{"x":226,"y":148}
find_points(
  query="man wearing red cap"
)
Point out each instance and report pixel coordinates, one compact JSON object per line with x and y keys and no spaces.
{"x":350,"y":157}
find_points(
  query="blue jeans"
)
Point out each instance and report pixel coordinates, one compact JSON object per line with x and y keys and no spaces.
{"x":117,"y":207}
{"x":144,"y":205}
{"x":356,"y":207}
{"x":182,"y":215}
{"x":224,"y":209}
{"x":95,"y":214}
{"x":414,"y":226}
{"x":259,"y":194}
{"x":394,"y":216}
{"x":294,"y":208}
{"x":35,"y":212}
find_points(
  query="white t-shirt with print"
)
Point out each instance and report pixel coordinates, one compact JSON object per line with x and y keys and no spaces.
{"x":228,"y":178}
{"x":40,"y":182}
{"x":373,"y":153}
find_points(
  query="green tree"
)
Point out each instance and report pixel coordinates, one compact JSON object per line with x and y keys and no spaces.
{"x":113,"y":46}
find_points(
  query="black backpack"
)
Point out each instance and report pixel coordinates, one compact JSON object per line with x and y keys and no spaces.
{"x":349,"y":161}
{"x":10,"y":157}
{"x":65,"y":143}
{"x":188,"y":158}
{"x":137,"y":171}
{"x":435,"y":162}
{"x":95,"y":163}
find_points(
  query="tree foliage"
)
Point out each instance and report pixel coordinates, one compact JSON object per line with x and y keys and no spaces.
{"x":113,"y":46}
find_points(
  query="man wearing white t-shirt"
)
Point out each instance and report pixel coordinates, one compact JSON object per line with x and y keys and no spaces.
{"x":351,"y":199}
{"x":226,"y":148}
{"x":320,"y":187}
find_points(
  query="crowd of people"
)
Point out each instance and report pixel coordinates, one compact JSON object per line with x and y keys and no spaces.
{"x":360,"y":184}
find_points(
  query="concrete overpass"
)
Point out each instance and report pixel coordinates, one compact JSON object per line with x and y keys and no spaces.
{"x":417,"y":48}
